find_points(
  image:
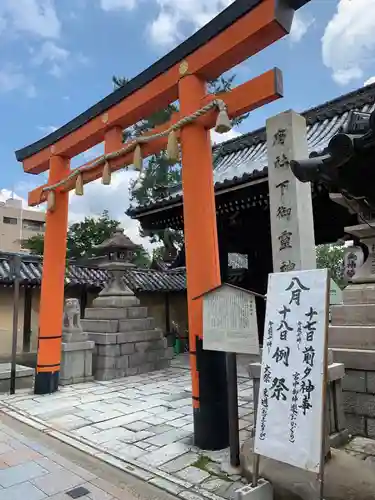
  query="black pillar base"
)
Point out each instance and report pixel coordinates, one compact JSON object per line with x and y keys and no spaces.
{"x":46,"y":382}
{"x":211,"y":424}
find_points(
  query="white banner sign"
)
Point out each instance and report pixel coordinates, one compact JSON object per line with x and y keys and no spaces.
{"x":289,"y":417}
{"x":230,"y":321}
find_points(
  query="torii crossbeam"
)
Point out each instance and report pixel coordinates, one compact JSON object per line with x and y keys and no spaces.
{"x":243,"y":29}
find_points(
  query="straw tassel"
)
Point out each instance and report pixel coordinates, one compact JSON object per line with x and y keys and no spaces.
{"x":137,"y":160}
{"x":173,"y":151}
{"x":106,"y":177}
{"x":51,"y":201}
{"x":223,"y":123}
{"x":79,"y":185}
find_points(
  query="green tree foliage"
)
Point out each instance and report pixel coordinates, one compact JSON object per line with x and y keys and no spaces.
{"x":332,"y":257}
{"x":34,"y":244}
{"x":142,"y":258}
{"x":83,"y":237}
{"x":158,"y":252}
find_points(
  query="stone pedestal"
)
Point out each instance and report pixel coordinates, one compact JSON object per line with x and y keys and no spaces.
{"x":337,"y":433}
{"x":77,"y":349}
{"x":24,"y":377}
{"x":126,"y":342}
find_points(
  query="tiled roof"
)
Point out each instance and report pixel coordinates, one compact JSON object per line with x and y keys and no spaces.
{"x":138,"y":280}
{"x":244,"y":158}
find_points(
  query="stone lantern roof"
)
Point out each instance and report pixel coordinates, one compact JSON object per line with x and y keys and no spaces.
{"x":118,"y":241}
{"x":116,"y":252}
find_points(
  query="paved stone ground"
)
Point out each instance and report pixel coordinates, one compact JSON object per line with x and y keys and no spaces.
{"x":243,"y":361}
{"x":141,"y":424}
{"x":31,"y":469}
{"x":362,"y":448}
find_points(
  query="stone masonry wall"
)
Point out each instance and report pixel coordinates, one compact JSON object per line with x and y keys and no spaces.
{"x":156,"y":304}
{"x":352,"y":339}
{"x":126,"y":342}
{"x":359,"y":402}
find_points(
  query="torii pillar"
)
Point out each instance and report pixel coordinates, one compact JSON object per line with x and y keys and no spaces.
{"x":52,"y":290}
{"x":209,"y":388}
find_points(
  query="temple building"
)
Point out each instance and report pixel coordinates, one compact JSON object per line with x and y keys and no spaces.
{"x":242,"y":198}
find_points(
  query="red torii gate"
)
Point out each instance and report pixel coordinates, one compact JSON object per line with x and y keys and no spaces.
{"x":243,"y":29}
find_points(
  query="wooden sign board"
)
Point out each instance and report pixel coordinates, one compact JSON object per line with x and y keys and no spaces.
{"x":230,"y":320}
{"x":291,"y":396}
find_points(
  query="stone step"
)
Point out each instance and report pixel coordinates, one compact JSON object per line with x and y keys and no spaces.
{"x":359,"y":294}
{"x":139,"y":336}
{"x":151,"y":345}
{"x":355,"y":359}
{"x":116,"y":313}
{"x":353,"y":315}
{"x":355,"y":337}
{"x":141,"y":358}
{"x":130,"y":348}
{"x":115,"y":302}
{"x":136,"y":324}
{"x":101,"y":338}
{"x":100,"y":325}
{"x":137,"y":312}
{"x":113,"y":373}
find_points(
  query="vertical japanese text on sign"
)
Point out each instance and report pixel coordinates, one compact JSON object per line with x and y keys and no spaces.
{"x":289,"y":423}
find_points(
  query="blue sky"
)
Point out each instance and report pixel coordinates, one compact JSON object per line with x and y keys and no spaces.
{"x":57,"y":57}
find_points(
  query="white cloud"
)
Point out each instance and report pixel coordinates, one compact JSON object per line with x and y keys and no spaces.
{"x":348,"y":43}
{"x":109,"y":5}
{"x":5,"y":194}
{"x":47,"y":129}
{"x":12,"y":78}
{"x":219,"y":138}
{"x":114,"y":198}
{"x":52,"y":55}
{"x":173,"y":16}
{"x":301,"y":24}
{"x":96,"y":199}
{"x":163,"y":30}
{"x":36,"y":17}
{"x":369,"y":81}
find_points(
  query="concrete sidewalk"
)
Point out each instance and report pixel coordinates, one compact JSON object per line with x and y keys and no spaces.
{"x":34,"y":466}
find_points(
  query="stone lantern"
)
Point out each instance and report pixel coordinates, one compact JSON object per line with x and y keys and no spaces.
{"x":126,"y":340}
{"x":117,"y":253}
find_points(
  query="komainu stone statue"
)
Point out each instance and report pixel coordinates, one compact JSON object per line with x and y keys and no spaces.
{"x":77,"y":350}
{"x":72,"y":315}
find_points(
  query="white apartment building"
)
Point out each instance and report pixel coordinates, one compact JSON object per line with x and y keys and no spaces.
{"x":18,"y":224}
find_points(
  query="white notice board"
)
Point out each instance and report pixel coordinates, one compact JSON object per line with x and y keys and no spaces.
{"x":230,"y":320}
{"x":289,"y":417}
